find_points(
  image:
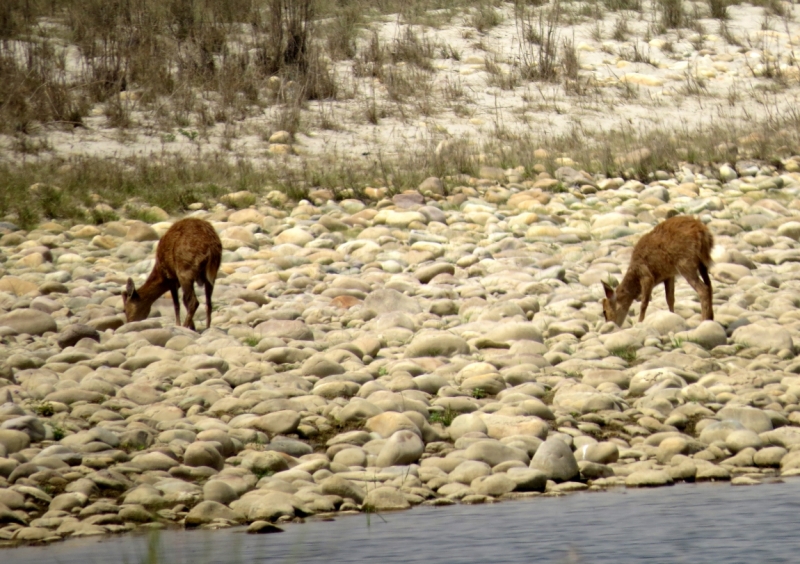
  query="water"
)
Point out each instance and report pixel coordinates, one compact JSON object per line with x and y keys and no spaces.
{"x":687,"y":523}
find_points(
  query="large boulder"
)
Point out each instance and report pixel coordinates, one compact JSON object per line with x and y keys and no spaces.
{"x":556,"y":460}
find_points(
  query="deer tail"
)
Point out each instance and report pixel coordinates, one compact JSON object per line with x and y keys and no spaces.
{"x":212,"y":267}
{"x":706,"y":245}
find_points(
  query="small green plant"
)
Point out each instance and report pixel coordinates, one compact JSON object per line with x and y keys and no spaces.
{"x":444,"y":417}
{"x":263,"y":473}
{"x":479,"y":393}
{"x":58,"y":431}
{"x":190,"y":135}
{"x":628,"y":354}
{"x":251,"y":341}
{"x":44,"y":409}
{"x":677,"y":342}
{"x":383,"y":371}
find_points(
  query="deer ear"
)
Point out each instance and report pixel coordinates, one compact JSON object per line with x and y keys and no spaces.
{"x":130,"y":290}
{"x":608,"y":290}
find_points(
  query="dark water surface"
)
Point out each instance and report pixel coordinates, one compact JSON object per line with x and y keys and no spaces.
{"x":685,"y":523}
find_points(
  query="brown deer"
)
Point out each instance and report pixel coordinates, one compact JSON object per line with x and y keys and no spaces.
{"x":190,"y":251}
{"x":680,"y":245}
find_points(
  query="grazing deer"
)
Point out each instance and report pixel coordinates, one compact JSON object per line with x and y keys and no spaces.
{"x":190,"y":251}
{"x":680,"y":245}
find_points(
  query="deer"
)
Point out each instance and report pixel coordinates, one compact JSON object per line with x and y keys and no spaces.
{"x":680,"y":245}
{"x":190,"y":251}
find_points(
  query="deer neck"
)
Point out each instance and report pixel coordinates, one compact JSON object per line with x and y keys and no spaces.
{"x":627,"y":291}
{"x":153,"y":288}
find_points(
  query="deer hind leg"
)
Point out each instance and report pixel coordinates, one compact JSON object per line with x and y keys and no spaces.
{"x":702,"y":287}
{"x":209,"y":290}
{"x":710,"y":292}
{"x":173,"y":290}
{"x":191,"y":303}
{"x":647,"y":289}
{"x":669,"y":291}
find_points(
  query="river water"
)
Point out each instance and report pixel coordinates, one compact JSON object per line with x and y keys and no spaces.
{"x":687,"y":523}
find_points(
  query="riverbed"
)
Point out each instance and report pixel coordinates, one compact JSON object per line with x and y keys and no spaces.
{"x":695,"y":523}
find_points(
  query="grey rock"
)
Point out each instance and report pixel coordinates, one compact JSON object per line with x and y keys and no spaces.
{"x":403,"y":447}
{"x":208,"y":511}
{"x":74,"y":333}
{"x":648,"y":479}
{"x":219,"y":491}
{"x":556,"y":460}
{"x":30,"y":321}
{"x":385,"y":498}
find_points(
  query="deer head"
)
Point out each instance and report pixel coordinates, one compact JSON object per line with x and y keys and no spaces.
{"x":135,"y":308}
{"x":612,"y":309}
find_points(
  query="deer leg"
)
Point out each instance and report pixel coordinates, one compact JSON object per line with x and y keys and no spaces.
{"x":710,"y":292}
{"x":703,"y":290}
{"x":647,"y":289}
{"x":669,"y":290}
{"x":191,"y":303}
{"x":209,"y":290}
{"x":173,"y":290}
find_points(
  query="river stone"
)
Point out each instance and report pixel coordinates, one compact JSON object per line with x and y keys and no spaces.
{"x":219,"y":491}
{"x":740,"y":440}
{"x":528,"y":479}
{"x":436,"y":343}
{"x":719,"y":431}
{"x":648,"y":479}
{"x":264,"y":462}
{"x":28,"y":424}
{"x":760,"y":336}
{"x":710,"y":472}
{"x":493,"y":485}
{"x":751,"y":418}
{"x":601,"y":453}
{"x":74,"y":333}
{"x":153,"y":461}
{"x":708,"y":334}
{"x":388,"y":423}
{"x":336,"y":485}
{"x":665,"y":322}
{"x":14,"y":441}
{"x":68,"y":501}
{"x":466,"y":423}
{"x":494,"y":453}
{"x":9,"y":516}
{"x":428,"y":272}
{"x":358,"y":409}
{"x":769,"y":457}
{"x":32,"y":534}
{"x":30,"y":321}
{"x":388,"y":300}
{"x":500,"y":426}
{"x":277,"y":423}
{"x":202,"y":453}
{"x":352,"y":456}
{"x":207,"y":511}
{"x":146,"y":496}
{"x":11,"y":499}
{"x":293,"y":330}
{"x":385,"y":498}
{"x":402,"y":448}
{"x":135,"y":513}
{"x":469,"y":470}
{"x":556,"y":460}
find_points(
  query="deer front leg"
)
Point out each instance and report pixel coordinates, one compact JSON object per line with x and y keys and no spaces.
{"x":647,"y":289}
{"x":669,"y":290}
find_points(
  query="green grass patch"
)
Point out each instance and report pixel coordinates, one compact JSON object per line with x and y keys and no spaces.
{"x":628,"y":354}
